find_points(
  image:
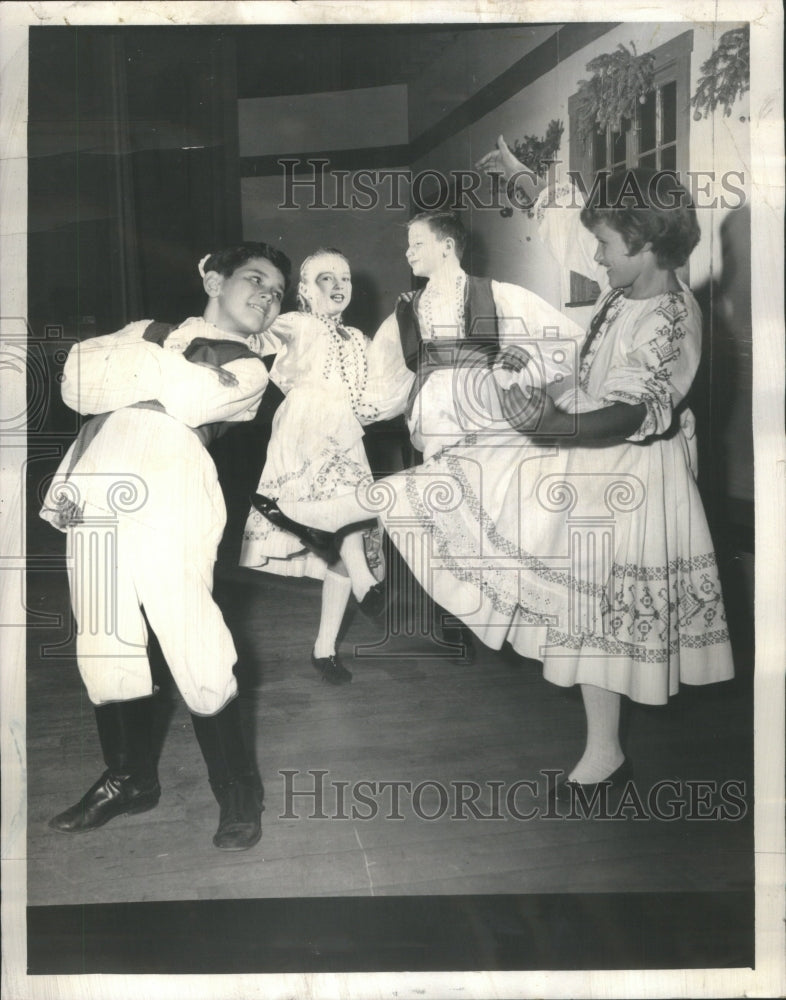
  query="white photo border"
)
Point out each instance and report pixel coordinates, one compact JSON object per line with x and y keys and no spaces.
{"x":767,"y":142}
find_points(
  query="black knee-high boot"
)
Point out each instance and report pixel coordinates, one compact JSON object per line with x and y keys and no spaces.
{"x":130,"y":783}
{"x":233,"y":778}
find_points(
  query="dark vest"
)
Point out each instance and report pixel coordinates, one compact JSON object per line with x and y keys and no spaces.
{"x":480,"y":321}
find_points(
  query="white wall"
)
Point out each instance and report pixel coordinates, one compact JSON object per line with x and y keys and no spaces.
{"x":343,"y":119}
{"x":464,"y":68}
{"x":509,"y":249}
{"x":373,"y":238}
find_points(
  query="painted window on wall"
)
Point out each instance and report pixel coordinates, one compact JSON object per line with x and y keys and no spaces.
{"x":657,"y":138}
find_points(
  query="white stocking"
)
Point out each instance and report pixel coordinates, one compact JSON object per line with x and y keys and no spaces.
{"x":603,"y":753}
{"x":335,"y":597}
{"x":353,"y":554}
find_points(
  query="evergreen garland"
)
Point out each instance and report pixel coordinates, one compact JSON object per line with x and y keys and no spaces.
{"x":726,"y":75}
{"x":620,"y":80}
{"x":536,"y":153}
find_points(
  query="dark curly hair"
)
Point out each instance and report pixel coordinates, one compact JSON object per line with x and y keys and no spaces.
{"x":444,"y":224}
{"x":227,"y":261}
{"x":646,"y":206}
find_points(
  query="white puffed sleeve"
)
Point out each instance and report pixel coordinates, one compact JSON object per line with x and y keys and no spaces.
{"x":558,"y":211}
{"x":296,"y":333}
{"x":106,"y":373}
{"x":389,"y":380}
{"x":194,"y":395}
{"x":529,"y":323}
{"x":116,"y":370}
{"x":660,"y":365}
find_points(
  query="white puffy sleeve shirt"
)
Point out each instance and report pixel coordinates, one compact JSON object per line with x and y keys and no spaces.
{"x":107,"y":373}
{"x":454,"y":403}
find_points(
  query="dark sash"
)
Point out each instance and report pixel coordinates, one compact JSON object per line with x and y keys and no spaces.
{"x":436,"y":355}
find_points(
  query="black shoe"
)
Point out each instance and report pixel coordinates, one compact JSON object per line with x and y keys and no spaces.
{"x":321,"y":543}
{"x":240,"y":821}
{"x":565,"y":791}
{"x":130,"y":783}
{"x":331,"y":669}
{"x":375,"y":600}
{"x":112,"y":795}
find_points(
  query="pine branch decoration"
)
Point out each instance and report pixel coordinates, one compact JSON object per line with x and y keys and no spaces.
{"x":726,"y":75}
{"x":536,"y":153}
{"x":620,"y":80}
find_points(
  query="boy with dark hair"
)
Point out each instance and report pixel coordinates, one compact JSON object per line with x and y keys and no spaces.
{"x":140,"y":500}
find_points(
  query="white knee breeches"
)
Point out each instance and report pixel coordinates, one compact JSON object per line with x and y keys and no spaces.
{"x":117,"y":569}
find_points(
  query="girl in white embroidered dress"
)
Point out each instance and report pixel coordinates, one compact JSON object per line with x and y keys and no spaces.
{"x":581,"y":540}
{"x":316,"y":447}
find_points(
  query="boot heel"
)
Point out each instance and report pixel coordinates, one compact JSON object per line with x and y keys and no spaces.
{"x":111,"y":796}
{"x":321,"y":543}
{"x":144,"y":806}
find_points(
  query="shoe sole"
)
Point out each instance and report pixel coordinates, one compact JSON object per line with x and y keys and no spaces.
{"x":140,"y":807}
{"x":344,"y":676}
{"x":335,"y":681}
{"x":244,"y":847}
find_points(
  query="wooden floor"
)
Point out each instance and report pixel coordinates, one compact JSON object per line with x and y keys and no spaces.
{"x":409,"y":716}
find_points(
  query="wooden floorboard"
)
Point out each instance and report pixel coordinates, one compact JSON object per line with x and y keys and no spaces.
{"x":409,"y":717}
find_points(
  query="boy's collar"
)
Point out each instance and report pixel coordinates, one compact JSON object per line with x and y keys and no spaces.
{"x":448,"y":274}
{"x":208,"y":329}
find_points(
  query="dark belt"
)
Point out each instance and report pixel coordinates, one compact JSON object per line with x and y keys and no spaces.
{"x":437,"y":355}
